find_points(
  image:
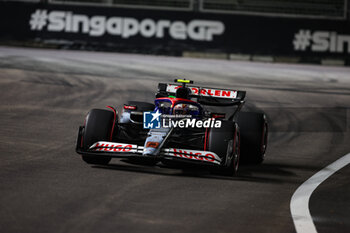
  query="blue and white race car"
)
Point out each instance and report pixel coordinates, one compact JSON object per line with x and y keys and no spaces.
{"x":177,"y":128}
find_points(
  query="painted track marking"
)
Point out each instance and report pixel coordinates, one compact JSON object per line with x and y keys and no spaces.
{"x":299,"y":204}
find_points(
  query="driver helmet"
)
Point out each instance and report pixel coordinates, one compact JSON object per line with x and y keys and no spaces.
{"x":181,"y":109}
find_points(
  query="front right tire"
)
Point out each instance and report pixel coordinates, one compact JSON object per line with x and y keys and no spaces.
{"x":98,"y":126}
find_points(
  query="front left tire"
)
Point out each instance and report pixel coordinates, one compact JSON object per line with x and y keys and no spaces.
{"x":225,"y":142}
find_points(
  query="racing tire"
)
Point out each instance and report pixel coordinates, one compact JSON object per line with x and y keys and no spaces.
{"x":100,"y":160}
{"x":142,"y":106}
{"x":254,"y":134}
{"x":98,"y":125}
{"x":225,"y":142}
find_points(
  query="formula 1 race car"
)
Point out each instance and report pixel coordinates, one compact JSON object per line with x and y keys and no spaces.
{"x":177,"y":128}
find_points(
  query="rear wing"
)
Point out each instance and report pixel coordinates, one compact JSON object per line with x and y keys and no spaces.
{"x":205,"y":95}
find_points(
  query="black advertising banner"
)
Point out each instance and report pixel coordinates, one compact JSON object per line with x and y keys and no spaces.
{"x":174,"y":30}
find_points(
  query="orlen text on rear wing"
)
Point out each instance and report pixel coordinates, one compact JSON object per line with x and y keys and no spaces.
{"x":205,"y":95}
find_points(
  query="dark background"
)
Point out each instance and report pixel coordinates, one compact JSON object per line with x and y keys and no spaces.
{"x":244,"y":34}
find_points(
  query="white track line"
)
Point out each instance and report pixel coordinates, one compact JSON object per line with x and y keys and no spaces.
{"x":299,"y":204}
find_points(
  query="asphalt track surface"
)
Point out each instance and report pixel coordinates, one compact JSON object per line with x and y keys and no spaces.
{"x":46,"y":187}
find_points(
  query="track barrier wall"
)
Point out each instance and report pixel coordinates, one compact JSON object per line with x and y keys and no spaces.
{"x":175,"y":32}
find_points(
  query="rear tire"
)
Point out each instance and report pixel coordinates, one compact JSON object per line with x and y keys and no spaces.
{"x":254,"y":132}
{"x":98,"y":127}
{"x":225,"y":142}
